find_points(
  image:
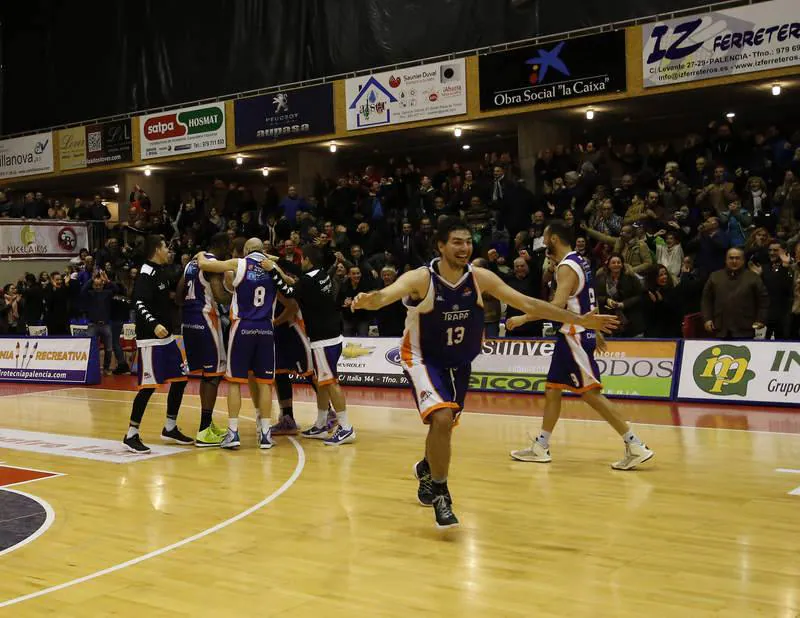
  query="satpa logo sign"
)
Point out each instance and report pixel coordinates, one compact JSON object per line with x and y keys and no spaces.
{"x":543,"y":62}
{"x":723,"y":370}
{"x":194,"y":122}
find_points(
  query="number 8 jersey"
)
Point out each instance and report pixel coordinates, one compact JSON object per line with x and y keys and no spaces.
{"x":254,"y":293}
{"x":445,"y":328}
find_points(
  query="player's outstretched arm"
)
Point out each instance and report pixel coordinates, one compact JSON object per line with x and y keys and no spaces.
{"x":539,"y":309}
{"x":413,"y":283}
{"x":216,"y":266}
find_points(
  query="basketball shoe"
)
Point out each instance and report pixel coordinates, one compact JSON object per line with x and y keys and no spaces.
{"x":536,"y":453}
{"x":422,"y":472}
{"x":443,"y":509}
{"x":176,"y":437}
{"x":210,"y":436}
{"x":286,"y":426}
{"x":341,"y":436}
{"x":265,"y":439}
{"x":231,"y":439}
{"x":135,"y":445}
{"x":635,"y":454}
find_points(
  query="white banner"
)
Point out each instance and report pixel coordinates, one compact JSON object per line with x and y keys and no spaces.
{"x":48,"y":359}
{"x":750,"y":38}
{"x":406,"y":95}
{"x":22,"y":240}
{"x":740,"y":371}
{"x":630,"y":368}
{"x":23,"y":156}
{"x":182,"y":131}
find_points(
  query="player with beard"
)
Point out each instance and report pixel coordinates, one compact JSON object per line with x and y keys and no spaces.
{"x":443,"y":333}
{"x":572,"y":366}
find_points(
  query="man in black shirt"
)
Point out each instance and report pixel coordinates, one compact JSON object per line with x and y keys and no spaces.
{"x":315,"y":295}
{"x":160,"y":359}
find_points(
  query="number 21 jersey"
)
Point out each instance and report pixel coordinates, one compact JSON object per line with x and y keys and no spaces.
{"x":254,"y":293}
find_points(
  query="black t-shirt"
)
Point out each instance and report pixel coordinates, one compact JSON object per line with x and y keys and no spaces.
{"x":315,"y":294}
{"x":152,"y":302}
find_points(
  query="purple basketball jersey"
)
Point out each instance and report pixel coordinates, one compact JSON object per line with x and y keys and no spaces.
{"x":254,"y":291}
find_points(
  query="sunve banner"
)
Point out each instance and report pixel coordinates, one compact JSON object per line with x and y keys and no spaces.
{"x":750,"y":38}
{"x":183,"y":131}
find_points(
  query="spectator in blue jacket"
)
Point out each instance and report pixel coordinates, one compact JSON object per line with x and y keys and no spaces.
{"x":291,"y":205}
{"x":99,"y":294}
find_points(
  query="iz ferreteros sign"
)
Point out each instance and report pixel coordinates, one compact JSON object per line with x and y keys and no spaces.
{"x":753,"y":371}
{"x":183,"y":131}
{"x":23,"y":156}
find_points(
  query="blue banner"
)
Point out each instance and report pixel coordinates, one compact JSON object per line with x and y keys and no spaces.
{"x":289,"y":114}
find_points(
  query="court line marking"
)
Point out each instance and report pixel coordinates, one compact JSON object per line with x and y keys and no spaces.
{"x":41,"y":478}
{"x":301,"y":461}
{"x":50,"y":517}
{"x":410,"y":409}
{"x":787,"y":470}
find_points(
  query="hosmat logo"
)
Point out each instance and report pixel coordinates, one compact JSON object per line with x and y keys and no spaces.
{"x":543,"y":61}
{"x":203,"y":120}
{"x":723,"y":370}
{"x":393,"y":356}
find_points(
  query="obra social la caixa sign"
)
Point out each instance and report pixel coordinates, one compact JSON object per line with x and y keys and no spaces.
{"x":752,"y":371}
{"x":183,"y":131}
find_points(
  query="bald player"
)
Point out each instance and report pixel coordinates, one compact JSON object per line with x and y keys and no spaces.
{"x":251,"y":345}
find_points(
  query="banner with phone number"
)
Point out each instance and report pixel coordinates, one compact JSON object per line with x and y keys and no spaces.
{"x":638,"y":369}
{"x":65,"y":360}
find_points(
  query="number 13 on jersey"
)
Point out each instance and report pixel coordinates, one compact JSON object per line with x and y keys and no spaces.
{"x":455,"y":335}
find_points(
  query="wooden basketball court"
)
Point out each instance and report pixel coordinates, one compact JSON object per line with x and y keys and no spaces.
{"x":708,"y":528}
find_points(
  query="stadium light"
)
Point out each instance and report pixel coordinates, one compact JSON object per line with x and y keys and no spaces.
{"x":265,"y":171}
{"x":332,"y":147}
{"x":147,"y":171}
{"x":239,"y":160}
{"x":457,"y":131}
{"x":590,"y":114}
{"x":776,"y":90}
{"x":730,"y":115}
{"x":116,"y":188}
{"x":466,"y":147}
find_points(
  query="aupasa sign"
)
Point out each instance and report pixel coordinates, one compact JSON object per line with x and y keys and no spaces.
{"x":183,"y":131}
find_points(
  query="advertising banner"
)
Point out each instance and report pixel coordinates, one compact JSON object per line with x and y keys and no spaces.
{"x":183,"y":131}
{"x":581,"y":67}
{"x":641,"y":369}
{"x":109,"y":142}
{"x":72,"y":148}
{"x":42,"y":239}
{"x":406,"y":95}
{"x":766,"y":372}
{"x":23,"y":156}
{"x":284,"y":115}
{"x":49,"y":359}
{"x":750,"y":38}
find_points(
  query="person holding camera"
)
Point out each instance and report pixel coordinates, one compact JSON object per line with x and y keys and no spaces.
{"x":99,"y":294}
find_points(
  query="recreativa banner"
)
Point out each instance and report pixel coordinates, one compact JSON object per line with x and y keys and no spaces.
{"x":750,"y":38}
{"x":69,"y":360}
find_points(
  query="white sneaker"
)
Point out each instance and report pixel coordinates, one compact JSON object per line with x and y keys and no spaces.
{"x":535,"y":454}
{"x":635,"y":454}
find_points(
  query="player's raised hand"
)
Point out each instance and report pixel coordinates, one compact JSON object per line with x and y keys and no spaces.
{"x":267,"y":264}
{"x":598,"y":321}
{"x":160,"y":331}
{"x":361,"y":301}
{"x":515,"y":322}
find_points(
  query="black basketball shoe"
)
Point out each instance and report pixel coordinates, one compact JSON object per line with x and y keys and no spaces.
{"x":175,"y":436}
{"x":422,"y":472}
{"x":443,"y":508}
{"x":134,"y":444}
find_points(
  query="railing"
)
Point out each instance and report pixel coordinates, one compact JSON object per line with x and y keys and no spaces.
{"x":411,"y":63}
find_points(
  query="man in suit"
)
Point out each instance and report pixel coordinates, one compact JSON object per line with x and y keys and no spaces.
{"x":735,"y":301}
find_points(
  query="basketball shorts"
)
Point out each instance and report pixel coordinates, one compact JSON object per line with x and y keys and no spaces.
{"x":292,"y":351}
{"x":325,"y":359}
{"x":251,"y":352}
{"x":572,"y":366}
{"x":435,"y":388}
{"x":205,"y":349}
{"x":161,"y":364}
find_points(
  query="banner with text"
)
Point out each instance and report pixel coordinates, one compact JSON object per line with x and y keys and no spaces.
{"x":750,"y":38}
{"x":740,"y":372}
{"x":183,"y":131}
{"x":284,"y":115}
{"x":97,"y":144}
{"x":49,"y":359}
{"x":42,"y":239}
{"x":406,"y":95}
{"x":23,"y":156}
{"x":640,"y":369}
{"x":580,"y":67}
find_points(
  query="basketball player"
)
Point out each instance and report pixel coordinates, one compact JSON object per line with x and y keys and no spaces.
{"x":202,"y":335}
{"x":573,"y":366}
{"x":251,"y":344}
{"x":442,"y":336}
{"x":160,"y":359}
{"x":314,"y":293}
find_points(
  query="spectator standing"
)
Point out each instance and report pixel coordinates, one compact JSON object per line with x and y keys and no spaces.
{"x":99,"y":293}
{"x":661,"y":305}
{"x":291,"y":205}
{"x":620,"y":291}
{"x":670,"y":255}
{"x":719,"y":193}
{"x":391,"y":318}
{"x":525,"y":282}
{"x":634,"y":251}
{"x":57,"y":300}
{"x":735,"y":220}
{"x":5,"y":205}
{"x":735,"y":302}
{"x":355,"y":323}
{"x":32,"y":301}
{"x":98,"y":210}
{"x":711,"y":243}
{"x":79,"y":211}
{"x":777,"y":278}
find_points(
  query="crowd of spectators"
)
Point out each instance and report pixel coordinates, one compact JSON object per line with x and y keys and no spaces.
{"x":708,"y":228}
